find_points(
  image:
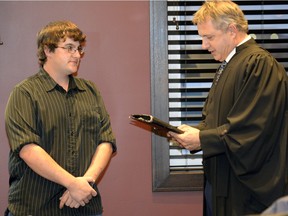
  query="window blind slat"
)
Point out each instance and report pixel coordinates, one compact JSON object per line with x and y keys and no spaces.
{"x":191,"y":69}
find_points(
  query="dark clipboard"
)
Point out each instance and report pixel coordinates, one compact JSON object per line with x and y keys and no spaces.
{"x":155,"y":123}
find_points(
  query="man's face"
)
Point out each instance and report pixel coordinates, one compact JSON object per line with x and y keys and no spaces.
{"x":63,"y":60}
{"x":217,"y":42}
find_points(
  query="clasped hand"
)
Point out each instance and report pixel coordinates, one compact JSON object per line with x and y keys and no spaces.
{"x":78,"y":193}
{"x":189,"y":139}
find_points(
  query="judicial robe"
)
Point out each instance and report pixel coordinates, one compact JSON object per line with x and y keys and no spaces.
{"x":244,"y":133}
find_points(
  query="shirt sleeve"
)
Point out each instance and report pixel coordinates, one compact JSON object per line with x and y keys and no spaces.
{"x":20,"y":120}
{"x":105,"y":132}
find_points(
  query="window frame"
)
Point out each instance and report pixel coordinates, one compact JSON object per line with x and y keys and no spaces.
{"x":163,"y":178}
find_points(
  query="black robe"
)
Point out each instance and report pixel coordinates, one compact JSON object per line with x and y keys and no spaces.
{"x":244,"y":133}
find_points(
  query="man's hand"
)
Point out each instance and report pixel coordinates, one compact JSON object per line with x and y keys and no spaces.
{"x":78,"y":193}
{"x":67,"y":200}
{"x":189,"y":139}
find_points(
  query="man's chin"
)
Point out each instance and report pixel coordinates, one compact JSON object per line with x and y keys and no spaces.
{"x":74,"y":69}
{"x":72,"y":72}
{"x":217,"y":58}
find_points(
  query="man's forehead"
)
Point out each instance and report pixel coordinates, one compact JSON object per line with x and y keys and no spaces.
{"x":69,"y":41}
{"x":206,"y":28}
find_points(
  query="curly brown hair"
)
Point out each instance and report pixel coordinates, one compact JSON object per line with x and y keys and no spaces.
{"x":51,"y":35}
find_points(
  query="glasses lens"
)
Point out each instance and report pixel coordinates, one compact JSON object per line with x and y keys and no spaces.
{"x":80,"y":50}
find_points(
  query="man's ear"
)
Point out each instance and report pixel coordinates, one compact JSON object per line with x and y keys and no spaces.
{"x":47,"y":50}
{"x":232,"y":29}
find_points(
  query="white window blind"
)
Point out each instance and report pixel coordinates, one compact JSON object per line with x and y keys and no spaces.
{"x":191,"y":69}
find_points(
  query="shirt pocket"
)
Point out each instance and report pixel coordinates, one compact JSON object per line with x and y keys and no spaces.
{"x":91,"y":121}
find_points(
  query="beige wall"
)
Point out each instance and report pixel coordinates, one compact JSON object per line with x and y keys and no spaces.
{"x":117,"y":60}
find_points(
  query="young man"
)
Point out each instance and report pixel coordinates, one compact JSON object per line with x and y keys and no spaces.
{"x":59,"y":132}
{"x":243,"y":134}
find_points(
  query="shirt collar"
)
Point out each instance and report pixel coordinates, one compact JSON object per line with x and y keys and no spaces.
{"x":50,"y":84}
{"x":232,"y":53}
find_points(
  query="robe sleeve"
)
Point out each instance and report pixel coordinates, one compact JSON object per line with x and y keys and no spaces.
{"x":256,"y":124}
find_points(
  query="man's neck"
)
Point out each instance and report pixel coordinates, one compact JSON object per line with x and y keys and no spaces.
{"x":60,"y":79}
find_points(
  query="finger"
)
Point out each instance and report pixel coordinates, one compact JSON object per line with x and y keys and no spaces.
{"x":171,"y":135}
{"x":77,"y":205}
{"x":69,"y":201}
{"x":94,"y":193}
{"x":64,"y":199}
{"x":88,"y":198}
{"x":86,"y":201}
{"x":73,"y":204}
{"x":183,"y":126}
{"x":83,"y":203}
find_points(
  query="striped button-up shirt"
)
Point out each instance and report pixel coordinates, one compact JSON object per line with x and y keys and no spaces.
{"x":68,"y":126}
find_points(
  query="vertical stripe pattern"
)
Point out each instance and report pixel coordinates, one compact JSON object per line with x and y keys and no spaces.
{"x":67,"y":125}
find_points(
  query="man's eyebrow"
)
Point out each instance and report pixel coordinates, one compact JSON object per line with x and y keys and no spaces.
{"x":207,"y":35}
{"x":71,"y":44}
{"x":68,"y":44}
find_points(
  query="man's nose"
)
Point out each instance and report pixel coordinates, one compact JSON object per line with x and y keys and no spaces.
{"x":77,"y":54}
{"x":205,"y":44}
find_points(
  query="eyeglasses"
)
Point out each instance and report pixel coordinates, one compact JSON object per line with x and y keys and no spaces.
{"x":72,"y":49}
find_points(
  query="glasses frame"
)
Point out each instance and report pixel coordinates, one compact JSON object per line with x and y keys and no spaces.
{"x":72,"y":50}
